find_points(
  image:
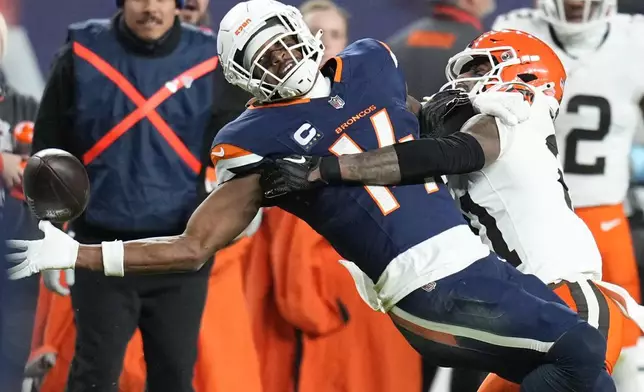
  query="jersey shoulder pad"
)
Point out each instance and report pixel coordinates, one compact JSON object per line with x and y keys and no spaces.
{"x":367,"y":57}
{"x":243,"y":145}
{"x":239,"y":147}
{"x":520,"y":19}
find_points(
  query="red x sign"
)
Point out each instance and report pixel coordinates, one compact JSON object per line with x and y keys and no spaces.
{"x":145,"y":108}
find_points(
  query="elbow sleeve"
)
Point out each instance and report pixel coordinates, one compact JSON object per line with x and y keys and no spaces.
{"x":432,"y":157}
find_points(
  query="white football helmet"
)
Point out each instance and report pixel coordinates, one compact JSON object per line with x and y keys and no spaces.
{"x":246,"y":33}
{"x":594,"y":13}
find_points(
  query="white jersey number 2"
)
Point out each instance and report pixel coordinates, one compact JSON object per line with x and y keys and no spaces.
{"x":385,"y":135}
{"x":577,"y":135}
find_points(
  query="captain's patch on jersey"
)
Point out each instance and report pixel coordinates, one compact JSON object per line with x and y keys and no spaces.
{"x":306,"y":136}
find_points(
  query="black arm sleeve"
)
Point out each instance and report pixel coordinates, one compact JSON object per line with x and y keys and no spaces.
{"x":54,"y":121}
{"x":458,"y":153}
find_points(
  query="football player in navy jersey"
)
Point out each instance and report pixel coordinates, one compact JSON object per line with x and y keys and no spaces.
{"x":415,"y":256}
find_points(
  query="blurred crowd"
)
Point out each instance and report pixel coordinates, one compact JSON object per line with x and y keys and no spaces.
{"x":275,"y":311}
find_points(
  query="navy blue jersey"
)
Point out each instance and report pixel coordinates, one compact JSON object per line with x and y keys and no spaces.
{"x":366,"y":109}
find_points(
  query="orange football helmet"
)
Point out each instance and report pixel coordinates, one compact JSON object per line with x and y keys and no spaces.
{"x":516,"y":57}
{"x":24,"y":132}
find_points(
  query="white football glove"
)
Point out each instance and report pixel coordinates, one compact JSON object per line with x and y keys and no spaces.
{"x":56,"y":251}
{"x":52,"y":281}
{"x":511,"y":108}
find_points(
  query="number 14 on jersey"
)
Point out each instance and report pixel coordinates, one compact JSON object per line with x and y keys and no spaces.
{"x":385,"y":135}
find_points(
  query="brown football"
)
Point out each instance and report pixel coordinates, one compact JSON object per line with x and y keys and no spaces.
{"x":56,"y":185}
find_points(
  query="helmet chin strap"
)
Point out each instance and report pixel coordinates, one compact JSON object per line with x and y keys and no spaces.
{"x":321,"y":88}
{"x":301,"y":81}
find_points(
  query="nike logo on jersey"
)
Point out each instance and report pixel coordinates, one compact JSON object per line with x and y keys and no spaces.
{"x":299,"y":160}
{"x":219,"y":153}
{"x":610,"y":225}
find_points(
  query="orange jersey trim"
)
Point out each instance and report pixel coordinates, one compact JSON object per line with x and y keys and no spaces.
{"x":385,"y":45}
{"x":211,"y":174}
{"x":337,"y":77}
{"x":227,"y":151}
{"x":278,"y":104}
{"x":145,"y":108}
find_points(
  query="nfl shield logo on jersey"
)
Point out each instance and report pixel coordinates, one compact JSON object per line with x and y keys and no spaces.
{"x":336,"y":102}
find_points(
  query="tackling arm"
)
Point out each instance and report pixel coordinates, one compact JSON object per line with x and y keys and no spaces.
{"x":216,"y":222}
{"x":476,"y":146}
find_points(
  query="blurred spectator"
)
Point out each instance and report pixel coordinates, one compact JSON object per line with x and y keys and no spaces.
{"x":630,"y":6}
{"x":145,"y":168}
{"x":20,"y":66}
{"x":635,"y":208}
{"x":333,"y":20}
{"x":224,"y":345}
{"x":635,"y":198}
{"x":424,"y":47}
{"x":195,"y":12}
{"x":17,"y":113}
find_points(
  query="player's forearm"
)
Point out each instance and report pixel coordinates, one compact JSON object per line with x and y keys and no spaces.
{"x":486,"y":132}
{"x":164,"y":254}
{"x":412,"y":162}
{"x":376,"y":167}
{"x":215,"y":223}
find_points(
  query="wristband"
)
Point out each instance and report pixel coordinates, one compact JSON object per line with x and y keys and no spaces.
{"x":113,"y":254}
{"x":330,"y":170}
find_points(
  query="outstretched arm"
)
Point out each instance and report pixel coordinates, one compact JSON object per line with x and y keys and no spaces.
{"x":217,"y":221}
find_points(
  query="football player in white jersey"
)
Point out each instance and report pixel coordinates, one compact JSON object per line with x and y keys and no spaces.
{"x":600,"y":113}
{"x":517,"y":199}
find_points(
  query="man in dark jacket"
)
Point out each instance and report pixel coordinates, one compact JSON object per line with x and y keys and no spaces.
{"x":17,"y":299}
{"x":424,"y":47}
{"x":137,"y":99}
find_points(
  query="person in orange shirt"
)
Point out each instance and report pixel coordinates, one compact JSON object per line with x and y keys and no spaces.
{"x":226,"y":358}
{"x":312,"y":330}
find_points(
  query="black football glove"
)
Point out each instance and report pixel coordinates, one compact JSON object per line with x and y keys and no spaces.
{"x":290,"y":174}
{"x":445,"y":113}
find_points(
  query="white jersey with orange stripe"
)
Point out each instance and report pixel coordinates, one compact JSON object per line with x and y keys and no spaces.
{"x":600,"y":112}
{"x":520,"y":206}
